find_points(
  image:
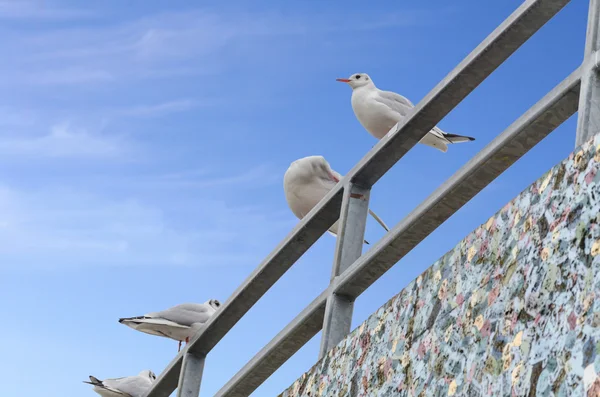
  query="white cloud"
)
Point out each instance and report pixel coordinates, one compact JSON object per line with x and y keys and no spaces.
{"x":159,"y":44}
{"x":162,"y":109}
{"x":63,"y":141}
{"x":258,"y":176}
{"x":187,"y":184}
{"x":54,"y":229}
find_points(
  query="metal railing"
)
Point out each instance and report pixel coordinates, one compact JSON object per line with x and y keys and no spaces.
{"x":352,"y":273}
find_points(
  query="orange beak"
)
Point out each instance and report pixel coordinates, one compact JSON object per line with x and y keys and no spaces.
{"x":343,"y":80}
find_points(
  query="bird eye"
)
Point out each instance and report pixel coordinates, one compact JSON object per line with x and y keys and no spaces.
{"x":357,"y":76}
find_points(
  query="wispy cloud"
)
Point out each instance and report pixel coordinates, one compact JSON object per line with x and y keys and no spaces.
{"x":163,"y":109}
{"x":63,"y":141}
{"x":212,"y":180}
{"x":258,"y":176}
{"x":53,"y":229}
{"x":124,"y":215}
{"x":157,"y":44}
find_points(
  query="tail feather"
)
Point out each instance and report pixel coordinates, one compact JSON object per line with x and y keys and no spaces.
{"x":121,"y":320}
{"x":94,"y":381}
{"x":453,"y":138}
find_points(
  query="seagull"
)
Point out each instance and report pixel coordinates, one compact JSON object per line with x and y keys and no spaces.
{"x":378,"y":111}
{"x":131,"y":386}
{"x":307,"y":181}
{"x":179,"y":322}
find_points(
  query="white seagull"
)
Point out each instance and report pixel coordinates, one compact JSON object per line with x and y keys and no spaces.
{"x":179,"y":322}
{"x":307,"y":181}
{"x":378,"y":111}
{"x":131,"y":386}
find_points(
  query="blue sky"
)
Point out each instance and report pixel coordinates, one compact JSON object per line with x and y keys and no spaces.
{"x":143,"y":145}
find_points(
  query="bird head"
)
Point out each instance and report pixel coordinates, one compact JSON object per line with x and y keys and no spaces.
{"x":148,"y":374}
{"x":358,"y":80}
{"x":308,"y":168}
{"x":214,"y":303}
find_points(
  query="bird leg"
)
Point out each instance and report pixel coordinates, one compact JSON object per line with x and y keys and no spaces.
{"x":187,"y":340}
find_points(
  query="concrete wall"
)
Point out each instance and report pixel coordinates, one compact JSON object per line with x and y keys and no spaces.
{"x":511,"y":311}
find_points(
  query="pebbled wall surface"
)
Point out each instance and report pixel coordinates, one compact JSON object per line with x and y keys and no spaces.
{"x":513,"y":310}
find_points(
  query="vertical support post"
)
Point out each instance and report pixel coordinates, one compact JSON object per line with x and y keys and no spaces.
{"x":588,"y":118}
{"x":190,"y":376}
{"x":351,"y":233}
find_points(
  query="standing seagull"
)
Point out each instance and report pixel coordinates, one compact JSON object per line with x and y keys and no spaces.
{"x":131,"y":386}
{"x":179,"y":322}
{"x":378,"y":111}
{"x":307,"y":181}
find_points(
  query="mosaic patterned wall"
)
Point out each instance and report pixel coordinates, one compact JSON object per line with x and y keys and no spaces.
{"x":511,"y":311}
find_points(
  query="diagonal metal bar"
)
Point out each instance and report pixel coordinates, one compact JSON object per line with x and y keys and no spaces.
{"x":514,"y":142}
{"x":460,"y":82}
{"x":167,"y":381}
{"x":496,"y":48}
{"x":302,"y":237}
{"x":295,"y":335}
{"x":551,"y":111}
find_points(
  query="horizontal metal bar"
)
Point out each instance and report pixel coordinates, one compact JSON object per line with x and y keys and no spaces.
{"x":504,"y":41}
{"x":295,"y":335}
{"x":541,"y":119}
{"x":460,"y":82}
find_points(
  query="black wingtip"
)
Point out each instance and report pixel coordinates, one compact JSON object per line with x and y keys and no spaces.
{"x":470,"y":138}
{"x":94,"y":381}
{"x":132,"y":318}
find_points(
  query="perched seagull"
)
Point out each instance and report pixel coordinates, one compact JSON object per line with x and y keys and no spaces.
{"x":179,"y":322}
{"x":131,"y":386}
{"x":307,"y":181}
{"x":378,"y":111}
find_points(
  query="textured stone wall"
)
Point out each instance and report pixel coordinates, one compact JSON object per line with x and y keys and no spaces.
{"x":511,"y":311}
